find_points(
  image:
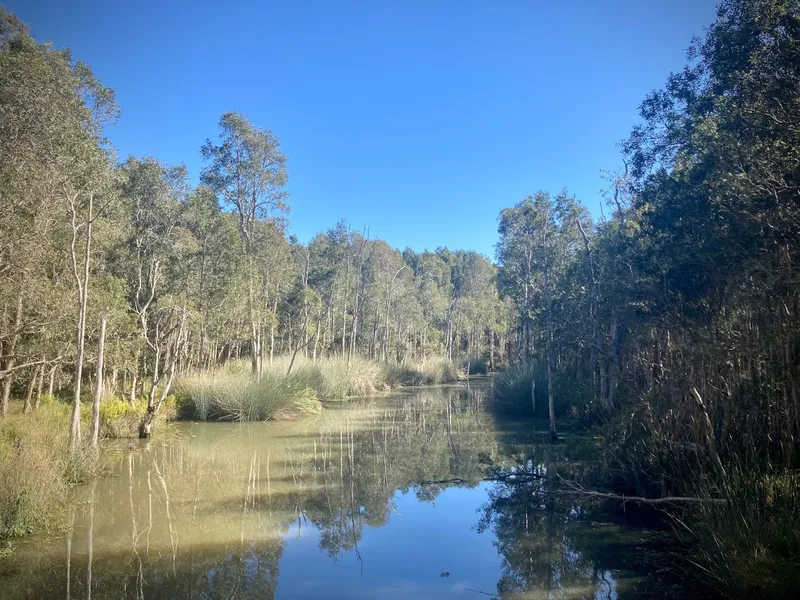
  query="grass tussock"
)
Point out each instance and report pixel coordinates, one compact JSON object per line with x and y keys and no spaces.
{"x":475,"y":365}
{"x":36,"y":469}
{"x":231,"y":392}
{"x":336,"y":378}
{"x":429,"y":371}
{"x":235,"y":397}
{"x":511,"y":390}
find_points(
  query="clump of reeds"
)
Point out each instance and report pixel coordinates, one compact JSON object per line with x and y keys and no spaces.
{"x":428,"y":371}
{"x":475,"y":365}
{"x":511,"y":389}
{"x":246,"y":398}
{"x":336,"y":377}
{"x":744,"y":541}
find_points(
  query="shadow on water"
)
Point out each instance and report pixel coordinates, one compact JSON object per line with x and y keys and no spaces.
{"x":423,"y":494}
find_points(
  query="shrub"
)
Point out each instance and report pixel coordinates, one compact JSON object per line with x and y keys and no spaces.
{"x":475,"y":365}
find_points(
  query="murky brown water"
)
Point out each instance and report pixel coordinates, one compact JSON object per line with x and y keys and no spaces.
{"x":335,"y":506}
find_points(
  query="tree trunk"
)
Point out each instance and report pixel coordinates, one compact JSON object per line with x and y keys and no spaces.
{"x":52,"y":383}
{"x":132,"y":396}
{"x":39,"y":387}
{"x":98,"y":387}
{"x":29,"y":390}
{"x":171,"y":360}
{"x":8,"y":364}
{"x":80,"y":337}
{"x":551,"y":411}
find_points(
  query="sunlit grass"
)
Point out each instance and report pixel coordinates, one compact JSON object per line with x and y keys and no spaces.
{"x":231,"y":392}
{"x":36,"y":468}
{"x":237,"y":397}
{"x":428,"y":371}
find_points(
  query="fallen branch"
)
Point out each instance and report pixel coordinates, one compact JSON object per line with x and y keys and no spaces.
{"x":641,"y":499}
{"x":510,"y":478}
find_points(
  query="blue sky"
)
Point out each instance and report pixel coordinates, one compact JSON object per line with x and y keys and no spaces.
{"x":418,"y":119}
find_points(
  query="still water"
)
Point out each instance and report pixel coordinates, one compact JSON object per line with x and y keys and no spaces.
{"x":381,"y":498}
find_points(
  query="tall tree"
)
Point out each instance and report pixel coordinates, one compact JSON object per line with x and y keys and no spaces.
{"x":248,"y":170}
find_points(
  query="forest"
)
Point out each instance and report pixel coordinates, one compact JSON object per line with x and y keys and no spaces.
{"x":668,"y":329}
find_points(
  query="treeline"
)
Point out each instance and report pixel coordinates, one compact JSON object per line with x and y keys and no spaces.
{"x":677,"y":319}
{"x":172,"y":276}
{"x":685,"y":303}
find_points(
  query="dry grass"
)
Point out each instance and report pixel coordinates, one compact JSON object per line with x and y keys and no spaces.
{"x":36,"y":469}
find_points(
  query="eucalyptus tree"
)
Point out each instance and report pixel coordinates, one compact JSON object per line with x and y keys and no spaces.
{"x":155,"y":197}
{"x":54,"y":154}
{"x":539,"y":241}
{"x":214,"y":275}
{"x":248,"y":171}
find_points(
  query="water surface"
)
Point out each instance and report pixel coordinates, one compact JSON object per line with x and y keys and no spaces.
{"x":381,"y":498}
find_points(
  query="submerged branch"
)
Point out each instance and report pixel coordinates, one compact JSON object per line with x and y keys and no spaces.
{"x":641,"y":499}
{"x":509,"y":478}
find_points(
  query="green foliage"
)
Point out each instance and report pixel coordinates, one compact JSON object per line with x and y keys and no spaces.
{"x":475,"y":365}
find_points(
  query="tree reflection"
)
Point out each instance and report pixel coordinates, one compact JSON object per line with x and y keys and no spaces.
{"x":208,"y":515}
{"x":552,"y":547}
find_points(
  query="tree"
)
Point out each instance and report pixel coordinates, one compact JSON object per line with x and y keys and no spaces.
{"x":248,"y":171}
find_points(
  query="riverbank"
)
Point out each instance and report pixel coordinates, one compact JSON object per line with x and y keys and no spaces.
{"x":36,"y":470}
{"x":734,"y":516}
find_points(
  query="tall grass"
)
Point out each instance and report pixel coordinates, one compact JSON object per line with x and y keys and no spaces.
{"x":428,"y":371}
{"x":236,"y":397}
{"x":511,"y":390}
{"x":475,"y":365}
{"x":232,"y":393}
{"x":336,"y":378}
{"x":36,"y":469}
{"x":743,"y":539}
{"x":747,"y":545}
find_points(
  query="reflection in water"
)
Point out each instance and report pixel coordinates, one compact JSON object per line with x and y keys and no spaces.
{"x":341,"y":505}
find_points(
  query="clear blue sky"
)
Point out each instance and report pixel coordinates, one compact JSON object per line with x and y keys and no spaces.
{"x":421,"y":119}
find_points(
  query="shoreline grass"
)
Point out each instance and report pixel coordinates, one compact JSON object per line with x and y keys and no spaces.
{"x":37,"y":470}
{"x":231,"y":393}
